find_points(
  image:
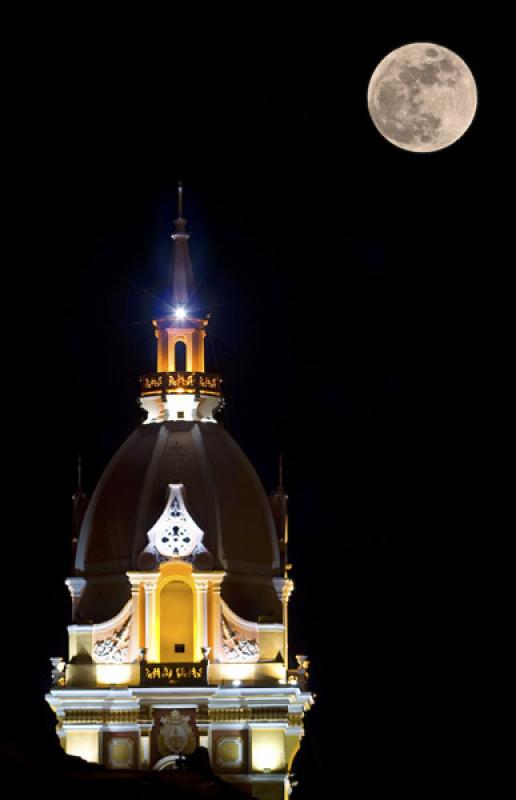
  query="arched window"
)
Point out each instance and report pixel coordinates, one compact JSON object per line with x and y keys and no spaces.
{"x":180,"y":357}
{"x":176,"y":622}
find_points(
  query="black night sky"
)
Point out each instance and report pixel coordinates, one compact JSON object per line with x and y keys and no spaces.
{"x":360,"y":318}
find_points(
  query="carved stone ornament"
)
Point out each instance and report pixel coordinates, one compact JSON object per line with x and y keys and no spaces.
{"x":236,"y":647}
{"x":175,"y":535}
{"x":114,"y":649}
{"x":176,"y":735}
{"x":58,"y":674}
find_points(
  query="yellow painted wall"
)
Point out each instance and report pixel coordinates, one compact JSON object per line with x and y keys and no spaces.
{"x":292,"y":745}
{"x":176,"y":621}
{"x":267,"y":750}
{"x":84,"y":744}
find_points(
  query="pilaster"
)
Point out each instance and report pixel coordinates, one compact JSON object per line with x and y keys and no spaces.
{"x":284,"y":588}
{"x":201,"y":588}
{"x":136,"y":611}
{"x":149,"y":581}
{"x":76,"y":587}
{"x":215,"y":639}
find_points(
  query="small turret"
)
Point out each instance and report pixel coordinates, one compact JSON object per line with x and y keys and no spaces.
{"x":79,"y":505}
{"x":278,"y":500}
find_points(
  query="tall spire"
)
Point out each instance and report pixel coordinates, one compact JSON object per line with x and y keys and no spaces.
{"x":181,"y":389}
{"x":182,"y":274}
{"x":278,"y":501}
{"x":79,"y":505}
{"x":79,"y":472}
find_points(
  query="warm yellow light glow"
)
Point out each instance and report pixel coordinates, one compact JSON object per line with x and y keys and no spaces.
{"x":268,"y":750}
{"x":176,"y":621}
{"x":238,"y":672}
{"x":84,"y":744}
{"x":246,"y":672}
{"x":108,"y":674}
{"x":180,"y":312}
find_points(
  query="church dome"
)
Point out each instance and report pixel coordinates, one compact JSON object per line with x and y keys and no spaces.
{"x":222,"y":493}
{"x":181,"y":585}
{"x":179,"y":489}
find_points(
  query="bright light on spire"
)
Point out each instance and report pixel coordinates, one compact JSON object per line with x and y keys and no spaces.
{"x":180,"y":312}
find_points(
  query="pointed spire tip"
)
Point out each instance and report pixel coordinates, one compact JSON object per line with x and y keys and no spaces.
{"x":180,"y":200}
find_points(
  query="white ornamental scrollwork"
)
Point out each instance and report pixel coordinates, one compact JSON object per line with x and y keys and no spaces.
{"x":236,"y":647}
{"x":114,"y":649}
{"x":175,"y":535}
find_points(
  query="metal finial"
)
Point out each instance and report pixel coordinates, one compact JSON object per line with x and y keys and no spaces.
{"x":79,"y":471}
{"x":180,"y":200}
{"x":281,"y":470}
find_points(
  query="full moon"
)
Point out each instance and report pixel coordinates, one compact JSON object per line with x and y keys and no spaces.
{"x":422,"y":97}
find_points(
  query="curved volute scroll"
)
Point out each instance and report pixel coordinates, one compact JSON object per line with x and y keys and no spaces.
{"x":175,"y":536}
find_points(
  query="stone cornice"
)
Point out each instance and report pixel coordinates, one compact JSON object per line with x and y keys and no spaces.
{"x":148,"y":580}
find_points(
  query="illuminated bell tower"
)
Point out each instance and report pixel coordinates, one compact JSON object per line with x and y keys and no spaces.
{"x":180,"y":389}
{"x":181,"y":587}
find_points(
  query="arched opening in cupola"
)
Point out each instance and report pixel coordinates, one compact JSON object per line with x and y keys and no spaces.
{"x":180,"y":356}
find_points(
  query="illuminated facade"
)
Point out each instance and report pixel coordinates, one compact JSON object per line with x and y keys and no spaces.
{"x":181,"y":588}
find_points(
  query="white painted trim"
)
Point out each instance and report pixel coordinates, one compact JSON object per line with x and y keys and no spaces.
{"x":229,"y":726}
{"x":270,"y":627}
{"x":76,"y":726}
{"x":216,"y":695}
{"x":122,"y":728}
{"x":213,"y":577}
{"x":273,"y":704}
{"x":256,"y":777}
{"x":170,"y":759}
{"x":255,"y":724}
{"x":79,"y":628}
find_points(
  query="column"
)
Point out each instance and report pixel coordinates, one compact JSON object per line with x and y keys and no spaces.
{"x":145,"y":731}
{"x":284,"y":588}
{"x":136,"y":644}
{"x":215,"y":580}
{"x":201,"y":587}
{"x":162,"y":365}
{"x":150,"y":581}
{"x":76,"y":588}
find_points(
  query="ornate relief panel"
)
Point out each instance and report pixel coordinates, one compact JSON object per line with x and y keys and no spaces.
{"x":175,"y":536}
{"x":120,"y":750}
{"x":112,"y":639}
{"x":230,"y":751}
{"x":239,"y":638}
{"x":174,"y":731}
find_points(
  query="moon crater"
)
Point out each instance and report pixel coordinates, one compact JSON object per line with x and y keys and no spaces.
{"x":422,"y":97}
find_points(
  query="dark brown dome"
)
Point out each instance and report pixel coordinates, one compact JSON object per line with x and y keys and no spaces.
{"x":223,"y":495}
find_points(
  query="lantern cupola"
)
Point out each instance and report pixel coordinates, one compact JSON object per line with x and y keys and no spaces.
{"x":181,"y":389}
